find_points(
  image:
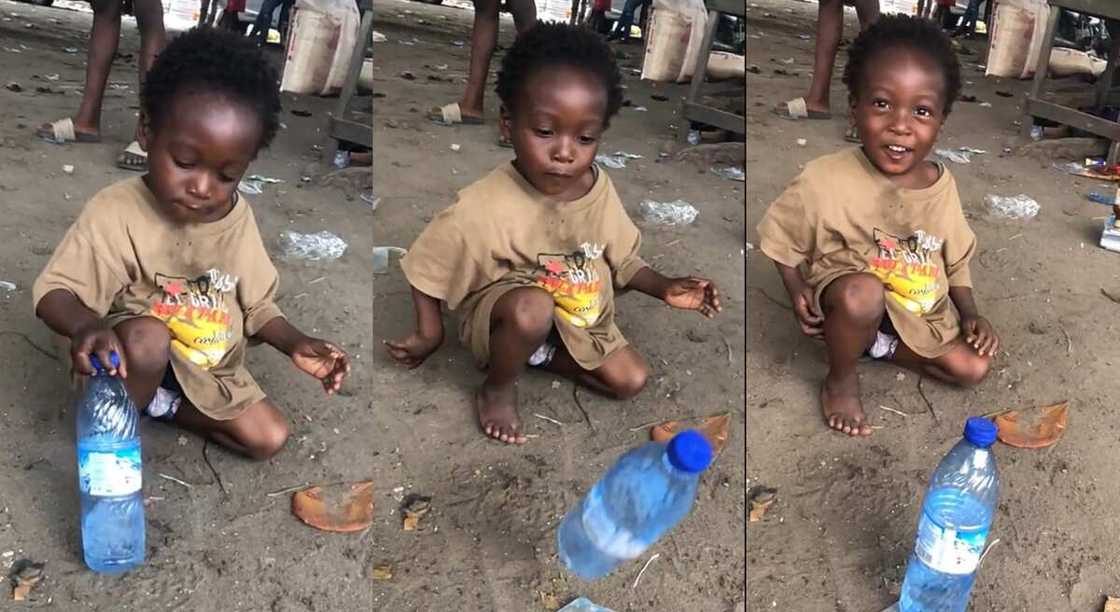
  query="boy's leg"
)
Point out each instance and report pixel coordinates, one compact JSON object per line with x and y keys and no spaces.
{"x":259,"y":433}
{"x":622,"y":376}
{"x":960,"y":366}
{"x":153,"y":38}
{"x":147,"y":351}
{"x":520,"y":322}
{"x":853,"y":306}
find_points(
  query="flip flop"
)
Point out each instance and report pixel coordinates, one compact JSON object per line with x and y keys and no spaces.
{"x":852,"y":135}
{"x":796,"y":109}
{"x":133,"y":158}
{"x":62,"y":131}
{"x":451,"y":114}
{"x":504,"y":143}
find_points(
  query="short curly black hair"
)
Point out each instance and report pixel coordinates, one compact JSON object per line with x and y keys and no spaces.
{"x":892,"y":32}
{"x":212,"y":61}
{"x":553,"y":44}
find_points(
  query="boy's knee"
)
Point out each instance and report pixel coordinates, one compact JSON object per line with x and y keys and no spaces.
{"x":974,"y":370}
{"x":530,"y":311}
{"x":859,"y":296}
{"x":629,"y":382}
{"x":267,"y":441}
{"x":147,"y":343}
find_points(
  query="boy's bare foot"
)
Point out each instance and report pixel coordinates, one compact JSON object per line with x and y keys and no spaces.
{"x":841,"y":406}
{"x":497,"y":413}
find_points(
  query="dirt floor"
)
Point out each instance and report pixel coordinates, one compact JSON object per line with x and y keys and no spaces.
{"x":842,"y":528}
{"x":208,"y":549}
{"x":489,"y":543}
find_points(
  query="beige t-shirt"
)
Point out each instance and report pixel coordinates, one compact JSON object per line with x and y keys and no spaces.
{"x":502,"y":234}
{"x":843,"y":216}
{"x":213,"y":284}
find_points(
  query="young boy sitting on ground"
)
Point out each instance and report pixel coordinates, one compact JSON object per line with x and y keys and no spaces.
{"x":531,"y":255}
{"x":878,"y":231}
{"x":168,"y":270}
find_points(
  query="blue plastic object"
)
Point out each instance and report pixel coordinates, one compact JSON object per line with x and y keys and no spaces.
{"x":956,"y":518}
{"x":109,"y":474}
{"x":644,"y":495}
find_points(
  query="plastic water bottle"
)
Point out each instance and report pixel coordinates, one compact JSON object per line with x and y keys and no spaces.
{"x":956,"y":515}
{"x":109,"y":472}
{"x":644,"y":495}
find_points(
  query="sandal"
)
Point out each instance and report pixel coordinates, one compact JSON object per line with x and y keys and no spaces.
{"x":504,"y":142}
{"x":451,"y":114}
{"x":796,"y":109}
{"x":852,"y":135}
{"x":62,"y":132}
{"x":133,"y":158}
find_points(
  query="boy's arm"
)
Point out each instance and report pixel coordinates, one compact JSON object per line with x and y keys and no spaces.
{"x":977,"y":331}
{"x":321,"y":359}
{"x":66,"y":315}
{"x":801,"y":295}
{"x":686,"y":293}
{"x":413,"y":349}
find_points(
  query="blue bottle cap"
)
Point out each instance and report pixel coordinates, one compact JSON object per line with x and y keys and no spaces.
{"x":100,"y":369}
{"x":689,"y":451}
{"x":980,"y":431}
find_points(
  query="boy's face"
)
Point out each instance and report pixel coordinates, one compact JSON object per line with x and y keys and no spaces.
{"x":898,"y":111}
{"x":555,"y":130}
{"x":197,"y":155}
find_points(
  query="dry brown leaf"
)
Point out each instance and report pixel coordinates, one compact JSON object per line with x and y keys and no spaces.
{"x":382,"y":572}
{"x":414,"y":509}
{"x":761,"y":498}
{"x":1112,"y":604}
{"x":1033,"y":429}
{"x":342,"y":507}
{"x":716,"y":429}
{"x":26,"y":574}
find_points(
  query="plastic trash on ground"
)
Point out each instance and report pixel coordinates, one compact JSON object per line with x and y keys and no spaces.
{"x":381,"y":257}
{"x":254,"y":184}
{"x":7,"y":286}
{"x":617,"y":160}
{"x":584,"y":604}
{"x":313,"y":247}
{"x":1101,"y":198}
{"x":960,"y":155}
{"x":731,"y":173}
{"x":677,"y":212}
{"x":1110,"y":235}
{"x":1021,"y":206}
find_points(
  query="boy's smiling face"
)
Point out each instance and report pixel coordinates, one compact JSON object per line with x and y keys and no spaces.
{"x":555,"y":127}
{"x":198,"y":154}
{"x":899,"y":110}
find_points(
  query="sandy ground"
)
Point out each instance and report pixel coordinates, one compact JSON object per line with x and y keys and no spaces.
{"x":842,"y":528}
{"x":207,"y":550}
{"x":489,"y":543}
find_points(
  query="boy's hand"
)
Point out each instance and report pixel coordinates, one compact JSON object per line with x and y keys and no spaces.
{"x":323,"y":360}
{"x":412,"y":350}
{"x":811,"y":321}
{"x":691,"y":293}
{"x":978,"y":333}
{"x":97,"y":339}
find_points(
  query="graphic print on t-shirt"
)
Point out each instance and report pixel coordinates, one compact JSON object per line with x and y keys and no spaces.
{"x":907,"y":269}
{"x":197,"y":315}
{"x":574,"y":283}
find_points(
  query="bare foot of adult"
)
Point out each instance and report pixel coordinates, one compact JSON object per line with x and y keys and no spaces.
{"x":497,"y":413}
{"x":841,"y":406}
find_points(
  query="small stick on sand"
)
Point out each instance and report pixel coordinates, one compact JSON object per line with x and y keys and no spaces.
{"x":1069,"y":341}
{"x":549,"y":419}
{"x":889,"y":409}
{"x":177,"y":481}
{"x":287,"y":489}
{"x":644,"y":426}
{"x":644,"y":568}
{"x":730,"y":356}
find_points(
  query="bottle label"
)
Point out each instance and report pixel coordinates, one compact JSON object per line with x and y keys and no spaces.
{"x":109,"y":473}
{"x":947,"y":550}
